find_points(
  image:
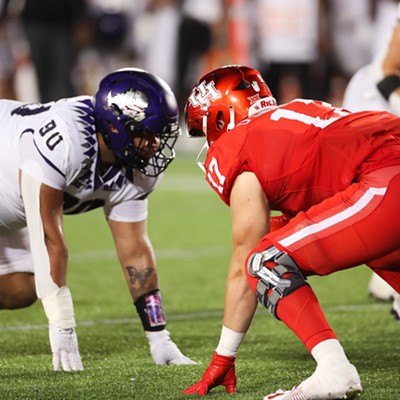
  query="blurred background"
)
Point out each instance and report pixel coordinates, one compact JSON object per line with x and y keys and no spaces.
{"x":304,"y":48}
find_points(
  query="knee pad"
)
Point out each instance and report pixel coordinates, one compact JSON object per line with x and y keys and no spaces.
{"x":278,"y":275}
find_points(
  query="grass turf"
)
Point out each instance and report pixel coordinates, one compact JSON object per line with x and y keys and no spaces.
{"x":190,"y":231}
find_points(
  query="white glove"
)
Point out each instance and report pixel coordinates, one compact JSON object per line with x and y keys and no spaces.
{"x":64,"y":346}
{"x":164,"y":350}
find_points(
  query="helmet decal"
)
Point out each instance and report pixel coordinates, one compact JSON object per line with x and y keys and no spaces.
{"x":255,"y":86}
{"x":132,"y":103}
{"x":204,"y":94}
{"x":254,"y":99}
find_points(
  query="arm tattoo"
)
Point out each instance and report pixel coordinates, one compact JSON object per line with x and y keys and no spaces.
{"x":139,"y":279}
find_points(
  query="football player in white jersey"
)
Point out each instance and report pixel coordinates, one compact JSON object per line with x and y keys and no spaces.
{"x":376,"y":86}
{"x":68,"y":157}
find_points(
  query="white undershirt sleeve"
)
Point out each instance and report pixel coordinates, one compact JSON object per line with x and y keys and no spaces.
{"x":30,"y":189}
{"x":57,"y":302}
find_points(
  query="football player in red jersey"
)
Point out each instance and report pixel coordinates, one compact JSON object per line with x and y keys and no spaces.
{"x":335,"y":176}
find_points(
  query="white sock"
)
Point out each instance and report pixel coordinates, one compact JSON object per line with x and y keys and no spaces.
{"x":229,"y":342}
{"x":329,"y":353}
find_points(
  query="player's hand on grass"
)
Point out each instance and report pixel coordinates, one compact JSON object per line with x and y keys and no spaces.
{"x":221,"y":371}
{"x":164,"y":350}
{"x":64,"y":346}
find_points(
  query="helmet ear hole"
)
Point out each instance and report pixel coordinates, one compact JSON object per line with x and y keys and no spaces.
{"x":220,"y":121}
{"x":112,"y":127}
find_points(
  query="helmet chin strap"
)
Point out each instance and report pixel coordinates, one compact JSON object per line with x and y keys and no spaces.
{"x":201,"y":156}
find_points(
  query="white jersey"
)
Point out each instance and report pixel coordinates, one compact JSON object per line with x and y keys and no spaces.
{"x":56,"y":144}
{"x":361,"y":92}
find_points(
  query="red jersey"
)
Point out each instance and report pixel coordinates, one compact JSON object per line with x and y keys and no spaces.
{"x":303,"y":152}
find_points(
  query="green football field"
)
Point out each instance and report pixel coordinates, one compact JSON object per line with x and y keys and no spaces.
{"x":190,"y":231}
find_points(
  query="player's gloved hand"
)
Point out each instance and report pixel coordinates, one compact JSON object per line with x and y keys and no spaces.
{"x":221,"y":371}
{"x":164,"y":350}
{"x":64,"y":346}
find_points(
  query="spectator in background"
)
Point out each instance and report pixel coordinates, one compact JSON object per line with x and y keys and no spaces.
{"x":289,"y":39}
{"x":156,"y":36}
{"x":201,"y":27}
{"x":6,"y":57}
{"x":172,"y":37}
{"x":50,"y":26}
{"x":351,"y":34}
{"x":107,"y":42}
{"x":362,"y":92}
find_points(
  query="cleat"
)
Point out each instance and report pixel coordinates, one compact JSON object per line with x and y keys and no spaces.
{"x":341,"y":383}
{"x":379,"y":289}
{"x":395,"y":311}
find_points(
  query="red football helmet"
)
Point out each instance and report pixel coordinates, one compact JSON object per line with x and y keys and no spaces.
{"x":224,"y":97}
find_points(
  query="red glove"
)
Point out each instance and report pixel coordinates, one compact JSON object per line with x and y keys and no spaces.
{"x":221,"y":371}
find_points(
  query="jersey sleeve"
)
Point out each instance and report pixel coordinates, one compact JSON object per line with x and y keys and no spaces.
{"x":52,"y":152}
{"x":127,"y":211}
{"x":130,"y":203}
{"x":44,"y":158}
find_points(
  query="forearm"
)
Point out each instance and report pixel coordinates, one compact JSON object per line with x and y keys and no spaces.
{"x":250,"y":222}
{"x":48,"y":247}
{"x":136,"y":256}
{"x":240,"y":304}
{"x":58,"y":256}
{"x":49,"y":252}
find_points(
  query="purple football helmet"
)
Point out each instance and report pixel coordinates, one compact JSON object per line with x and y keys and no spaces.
{"x":137,"y":115}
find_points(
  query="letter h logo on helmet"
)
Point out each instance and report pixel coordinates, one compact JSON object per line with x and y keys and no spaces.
{"x":204,"y":94}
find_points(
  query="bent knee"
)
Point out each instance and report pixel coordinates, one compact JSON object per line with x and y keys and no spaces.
{"x":17,"y":291}
{"x":16,"y":301}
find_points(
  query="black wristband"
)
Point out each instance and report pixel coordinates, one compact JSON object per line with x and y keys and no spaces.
{"x":150,"y":308}
{"x":388,"y":85}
